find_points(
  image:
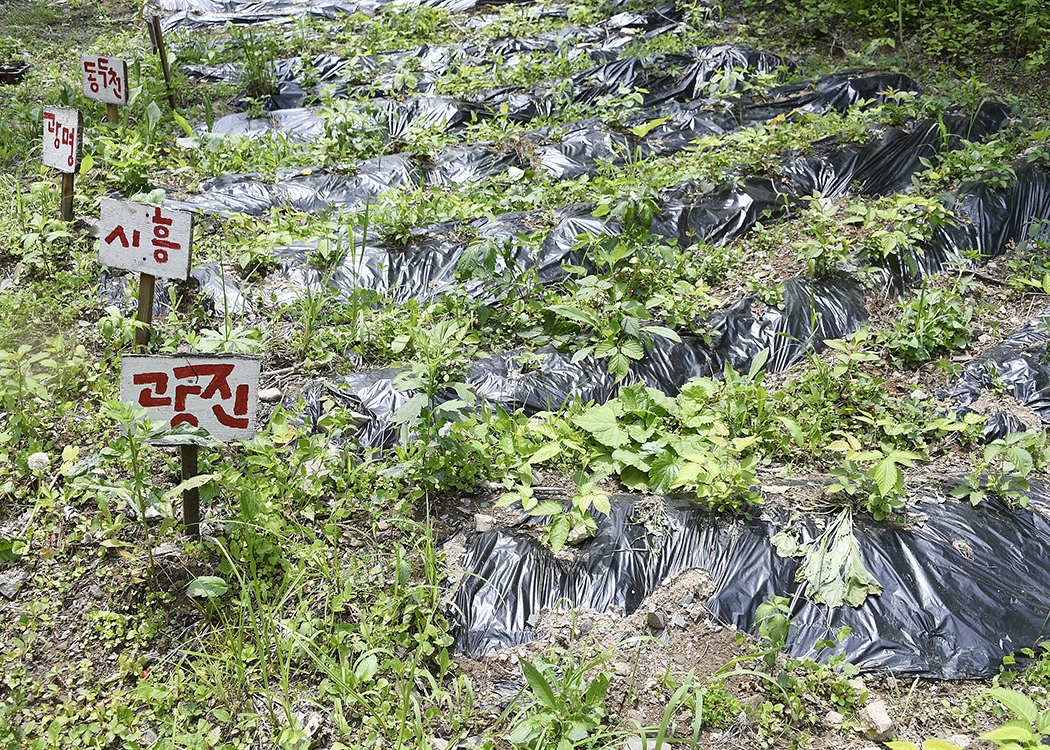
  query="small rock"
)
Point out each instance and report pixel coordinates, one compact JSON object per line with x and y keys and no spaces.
{"x":585,"y":625}
{"x":11,"y":582}
{"x":483,"y":522}
{"x":656,"y":621}
{"x":686,"y":601}
{"x":167,"y":549}
{"x":622,"y":668}
{"x":578,"y":536}
{"x":148,"y":737}
{"x":270,"y":395}
{"x":919,"y":395}
{"x":436,"y":743}
{"x":834,"y":719}
{"x":383,"y":525}
{"x":96,"y":592}
{"x":961,"y":740}
{"x":676,"y":621}
{"x":310,"y":723}
{"x":875,"y":722}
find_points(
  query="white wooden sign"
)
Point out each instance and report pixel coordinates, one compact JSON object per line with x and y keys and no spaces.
{"x":105,"y":79}
{"x":145,"y":238}
{"x":216,"y":392}
{"x":63,"y":136}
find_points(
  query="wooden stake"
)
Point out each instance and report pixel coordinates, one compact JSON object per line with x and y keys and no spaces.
{"x":146,"y":284}
{"x":111,"y":113}
{"x":66,"y":201}
{"x":158,"y":41}
{"x":191,"y":498}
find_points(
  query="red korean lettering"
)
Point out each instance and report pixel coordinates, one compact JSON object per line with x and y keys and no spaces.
{"x":114,"y":82}
{"x":184,"y":391}
{"x":240,"y":407}
{"x":149,"y":397}
{"x":89,"y":68}
{"x":68,"y":138}
{"x":184,"y":419}
{"x":218,"y":374}
{"x":158,"y":218}
{"x":118,"y":233}
{"x":49,"y":120}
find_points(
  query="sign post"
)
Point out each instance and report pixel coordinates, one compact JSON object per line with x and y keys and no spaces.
{"x":157,"y":38}
{"x":148,"y":239}
{"x":63,"y":143}
{"x":105,"y":79}
{"x":217,"y":393}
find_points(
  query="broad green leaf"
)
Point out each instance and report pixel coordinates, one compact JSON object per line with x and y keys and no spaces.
{"x":794,"y":430}
{"x":189,"y":484}
{"x":886,"y":476}
{"x":600,"y":501}
{"x":602,"y":424}
{"x":663,"y":331}
{"x":546,"y":453}
{"x":547,"y":508}
{"x":630,"y":456}
{"x":582,"y":317}
{"x":560,"y":528}
{"x":153,"y":115}
{"x":411,"y":410}
{"x":619,"y":365}
{"x":1019,"y":704}
{"x":539,"y":685}
{"x":1006,"y":733}
{"x":1021,"y":460}
{"x":366,"y":668}
{"x":595,"y":695}
{"x":632,"y":349}
{"x":579,"y":729}
{"x":665,"y":472}
{"x":183,"y":123}
{"x":1042,"y":724}
{"x":207,"y":587}
{"x":634,"y":478}
{"x":524,"y":731}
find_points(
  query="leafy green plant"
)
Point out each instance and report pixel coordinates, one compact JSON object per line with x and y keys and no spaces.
{"x":606,"y":303}
{"x":804,"y":683}
{"x":1025,"y":732}
{"x":1004,"y":466}
{"x":880,"y":485}
{"x":565,"y":709}
{"x":930,"y":325}
{"x":565,"y":524}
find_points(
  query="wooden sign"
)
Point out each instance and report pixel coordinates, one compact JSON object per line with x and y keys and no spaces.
{"x":145,"y":238}
{"x":216,"y":392}
{"x":105,"y":79}
{"x":63,"y":137}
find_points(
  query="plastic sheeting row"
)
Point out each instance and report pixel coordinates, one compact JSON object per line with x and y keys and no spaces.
{"x":949,"y":581}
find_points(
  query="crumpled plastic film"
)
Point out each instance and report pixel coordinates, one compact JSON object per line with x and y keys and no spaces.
{"x":940,"y":615}
{"x":1018,"y":364}
{"x":197,"y":13}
